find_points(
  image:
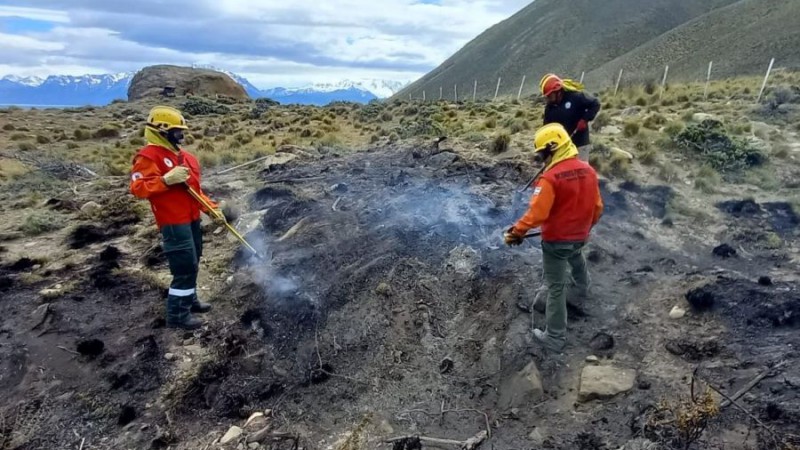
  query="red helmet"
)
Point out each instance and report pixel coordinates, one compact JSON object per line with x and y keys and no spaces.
{"x":550,"y":83}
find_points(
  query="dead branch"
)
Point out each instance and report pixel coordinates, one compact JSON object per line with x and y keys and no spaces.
{"x":231,"y":169}
{"x":470,"y":444}
{"x":753,"y":383}
{"x":68,"y":350}
{"x":292,"y":231}
{"x":260,"y":435}
{"x":744,"y":410}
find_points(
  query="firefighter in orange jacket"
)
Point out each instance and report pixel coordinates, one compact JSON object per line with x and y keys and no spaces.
{"x":566,"y":204}
{"x":161,"y":172}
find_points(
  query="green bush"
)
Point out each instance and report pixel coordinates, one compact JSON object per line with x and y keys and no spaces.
{"x":673,"y":128}
{"x":9,"y":127}
{"x":386,"y":116}
{"x":641,"y":101}
{"x":518,"y":125}
{"x":490,"y":123}
{"x":19,"y":136}
{"x":72,"y":145}
{"x":40,"y":139}
{"x":654,"y":121}
{"x":720,"y":151}
{"x":198,"y":106}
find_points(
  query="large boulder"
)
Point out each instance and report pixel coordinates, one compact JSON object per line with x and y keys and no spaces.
{"x":154,"y":81}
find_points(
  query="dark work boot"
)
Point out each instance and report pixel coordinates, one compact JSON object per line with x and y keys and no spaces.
{"x":179,"y":315}
{"x":199,"y":307}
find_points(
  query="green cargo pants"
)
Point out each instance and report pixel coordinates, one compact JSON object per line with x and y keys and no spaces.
{"x":183,"y":246}
{"x":560,"y":260}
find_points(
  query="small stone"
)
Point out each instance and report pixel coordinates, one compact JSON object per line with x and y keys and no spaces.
{"x":51,"y":293}
{"x":765,"y":281}
{"x":592,"y":359}
{"x":240,"y":446}
{"x":233,"y":433}
{"x":229,"y":280}
{"x":255,"y":422}
{"x":644,"y":385}
{"x":610,"y":129}
{"x":677,"y":312}
{"x":339,"y":188}
{"x":91,"y":208}
{"x":699,"y":117}
{"x":536,"y":437}
{"x":237,"y":185}
{"x":36,"y":266}
{"x":169,"y":356}
{"x":603,"y":382}
{"x":253,"y":445}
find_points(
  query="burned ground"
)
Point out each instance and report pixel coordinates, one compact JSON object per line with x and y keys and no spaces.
{"x":387,"y":296}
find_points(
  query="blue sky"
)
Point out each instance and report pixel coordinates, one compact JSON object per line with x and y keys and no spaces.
{"x":271,"y":42}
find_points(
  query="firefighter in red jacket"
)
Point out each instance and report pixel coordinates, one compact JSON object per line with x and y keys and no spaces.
{"x":161,"y":172}
{"x":566,"y":204}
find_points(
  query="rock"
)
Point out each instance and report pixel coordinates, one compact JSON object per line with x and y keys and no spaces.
{"x":630,"y":111}
{"x":169,"y":356}
{"x":91,"y":209}
{"x":446,"y":365}
{"x":301,"y":152}
{"x":724,"y":251}
{"x":677,"y":312}
{"x":464,"y":260}
{"x":602,"y":341}
{"x":620,"y":152}
{"x":233,"y":433}
{"x":51,"y":293}
{"x":699,"y":117}
{"x":339,"y":188}
{"x":249,"y":222}
{"x":278,"y":160}
{"x":610,"y":129}
{"x":522,"y":389}
{"x":592,"y":359}
{"x":701,"y":298}
{"x":256,"y":421}
{"x":151,"y":81}
{"x":765,"y":281}
{"x":253,"y":445}
{"x":442,"y":160}
{"x":536,"y":438}
{"x":603,"y":382}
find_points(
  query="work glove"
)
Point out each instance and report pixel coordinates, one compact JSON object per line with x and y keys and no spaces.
{"x":512,"y":238}
{"x":176,"y":176}
{"x":582,"y":125}
{"x":218,"y":216}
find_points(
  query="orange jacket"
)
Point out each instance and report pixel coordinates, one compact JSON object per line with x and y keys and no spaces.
{"x":566,"y":203}
{"x":171,"y":205}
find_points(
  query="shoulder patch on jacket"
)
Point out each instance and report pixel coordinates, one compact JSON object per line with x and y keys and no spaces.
{"x":537,"y":190}
{"x":136,"y":175}
{"x":168,"y":162}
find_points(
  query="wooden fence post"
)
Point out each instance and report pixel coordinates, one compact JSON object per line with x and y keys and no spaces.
{"x":764,"y":84}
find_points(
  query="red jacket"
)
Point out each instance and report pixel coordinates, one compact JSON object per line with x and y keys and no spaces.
{"x":171,"y":205}
{"x":566,"y":203}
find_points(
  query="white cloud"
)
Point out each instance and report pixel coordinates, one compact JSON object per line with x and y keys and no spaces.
{"x":273,"y":42}
{"x":47,"y":15}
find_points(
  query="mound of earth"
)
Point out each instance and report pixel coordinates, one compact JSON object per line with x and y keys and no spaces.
{"x":151,"y":81}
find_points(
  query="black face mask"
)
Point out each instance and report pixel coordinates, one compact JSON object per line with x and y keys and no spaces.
{"x":544,"y":155}
{"x":174,"y":136}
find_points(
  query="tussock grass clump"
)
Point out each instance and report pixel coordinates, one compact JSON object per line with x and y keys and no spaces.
{"x":108,"y":131}
{"x":19,"y":136}
{"x":706,"y":180}
{"x":41,"y":222}
{"x":9,"y":127}
{"x":41,"y":139}
{"x":500,"y":143}
{"x":654,"y":121}
{"x":601,"y":121}
{"x":490,"y":123}
{"x":630,"y":129}
{"x":26,"y":146}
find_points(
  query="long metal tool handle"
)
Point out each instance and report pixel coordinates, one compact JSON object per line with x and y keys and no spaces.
{"x":221,"y":216}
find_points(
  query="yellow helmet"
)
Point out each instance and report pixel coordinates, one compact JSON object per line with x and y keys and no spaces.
{"x":550,"y":137}
{"x":166,"y":118}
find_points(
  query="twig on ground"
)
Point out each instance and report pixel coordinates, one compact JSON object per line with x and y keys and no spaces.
{"x":68,"y":350}
{"x":753,"y":383}
{"x":338,"y":199}
{"x":83,"y":441}
{"x":470,"y":444}
{"x":744,"y":410}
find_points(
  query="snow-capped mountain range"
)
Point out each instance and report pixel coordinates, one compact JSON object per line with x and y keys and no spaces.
{"x":68,"y":90}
